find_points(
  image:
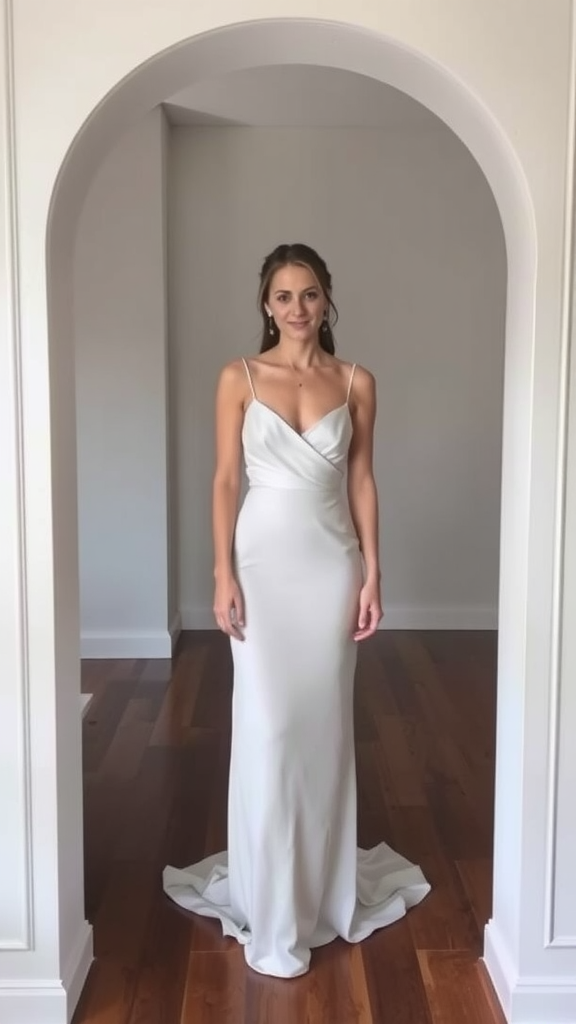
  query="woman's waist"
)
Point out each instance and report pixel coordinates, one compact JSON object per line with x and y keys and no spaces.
{"x":287,"y":477}
{"x":306,"y":495}
{"x":293,"y":509}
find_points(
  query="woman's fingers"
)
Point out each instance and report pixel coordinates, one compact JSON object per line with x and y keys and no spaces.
{"x":230,"y":619}
{"x":228,"y":626}
{"x":236,"y":616}
{"x":239,"y":609}
{"x":229,"y":608}
{"x":363,"y":617}
{"x":368,"y":618}
{"x":234,"y":624}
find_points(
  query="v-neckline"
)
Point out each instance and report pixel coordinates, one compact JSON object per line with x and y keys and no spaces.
{"x":301,"y":434}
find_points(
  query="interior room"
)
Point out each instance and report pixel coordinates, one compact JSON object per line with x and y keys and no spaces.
{"x":170,"y":240}
{"x":153,"y":155}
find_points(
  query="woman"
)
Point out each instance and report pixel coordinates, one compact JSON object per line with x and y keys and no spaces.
{"x":297,"y":586}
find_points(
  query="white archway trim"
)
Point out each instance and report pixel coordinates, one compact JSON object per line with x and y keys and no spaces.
{"x":15,"y":795}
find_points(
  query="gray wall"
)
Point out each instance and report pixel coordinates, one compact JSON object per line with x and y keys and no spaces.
{"x":121,"y":357}
{"x":410,"y":231}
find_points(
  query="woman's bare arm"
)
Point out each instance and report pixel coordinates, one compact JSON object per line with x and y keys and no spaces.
{"x":362,"y":493}
{"x":230,"y":397}
{"x":363,"y":499}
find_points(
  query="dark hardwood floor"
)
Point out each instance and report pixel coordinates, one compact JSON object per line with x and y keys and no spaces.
{"x":156,"y":743}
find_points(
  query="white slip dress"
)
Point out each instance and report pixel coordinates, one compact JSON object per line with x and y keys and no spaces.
{"x":293,"y":877}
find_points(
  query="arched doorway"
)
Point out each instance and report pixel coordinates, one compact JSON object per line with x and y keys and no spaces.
{"x":249,"y":45}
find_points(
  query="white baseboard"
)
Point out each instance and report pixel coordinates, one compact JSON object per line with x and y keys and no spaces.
{"x":175,"y":629}
{"x":543,"y":1000}
{"x":499,"y":966}
{"x":396,"y":617}
{"x":116,"y":643}
{"x":38,"y":1001}
{"x":533,"y":999}
{"x":77,"y":966}
{"x":85,"y":700}
{"x":125,"y":644}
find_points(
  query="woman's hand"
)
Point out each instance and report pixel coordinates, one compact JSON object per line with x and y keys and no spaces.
{"x":369,"y":612}
{"x":229,"y":607}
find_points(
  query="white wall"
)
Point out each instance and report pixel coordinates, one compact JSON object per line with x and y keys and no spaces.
{"x":121,"y":358}
{"x":411,"y":233}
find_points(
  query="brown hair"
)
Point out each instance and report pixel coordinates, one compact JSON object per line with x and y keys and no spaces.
{"x":295,"y":254}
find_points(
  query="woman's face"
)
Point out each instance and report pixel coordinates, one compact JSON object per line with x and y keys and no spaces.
{"x":297,"y":303}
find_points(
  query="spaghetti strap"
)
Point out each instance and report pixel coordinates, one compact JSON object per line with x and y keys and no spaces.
{"x":249,"y":375}
{"x":353,"y":370}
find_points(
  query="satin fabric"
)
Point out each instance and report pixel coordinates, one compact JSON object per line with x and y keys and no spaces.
{"x":293,"y":877}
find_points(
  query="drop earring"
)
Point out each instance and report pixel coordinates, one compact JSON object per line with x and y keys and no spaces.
{"x":325,"y":323}
{"x":270,"y":325}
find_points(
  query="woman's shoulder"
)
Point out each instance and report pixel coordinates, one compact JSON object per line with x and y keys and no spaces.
{"x":233,"y":380}
{"x":239,"y":367}
{"x":362,"y":376}
{"x":234,"y":370}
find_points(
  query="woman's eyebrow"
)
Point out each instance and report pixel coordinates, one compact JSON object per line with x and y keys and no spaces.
{"x":286,"y":291}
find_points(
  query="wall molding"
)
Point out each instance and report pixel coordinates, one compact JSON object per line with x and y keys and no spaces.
{"x":137,"y":643}
{"x":527,"y":999}
{"x":538,"y":999}
{"x":39,"y":1001}
{"x":396,"y":617}
{"x":557,"y":673}
{"x":76,"y":968}
{"x":17,"y":858}
{"x":175,"y":628}
{"x":500,"y":966}
{"x":85,"y":702}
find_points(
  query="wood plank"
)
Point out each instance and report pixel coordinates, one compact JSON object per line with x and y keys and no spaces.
{"x":162,"y":970}
{"x":337,"y":989}
{"x":463,"y":805}
{"x":127,"y":747}
{"x":142,"y":833}
{"x":373,"y":823}
{"x":452,"y":983}
{"x":101,"y":722}
{"x":191,"y":796}
{"x":444,"y":920}
{"x":360,"y":986}
{"x":278,"y":1000}
{"x":174,"y":721}
{"x":370,"y":670}
{"x":401,"y":743}
{"x":215,"y":988}
{"x":394,"y":982}
{"x":119,"y":934}
{"x":476,"y":878}
{"x":217,"y":823}
{"x":105,"y":808}
{"x":212,"y":709}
